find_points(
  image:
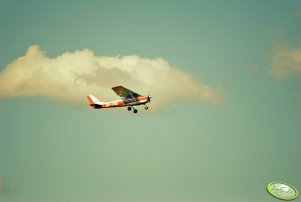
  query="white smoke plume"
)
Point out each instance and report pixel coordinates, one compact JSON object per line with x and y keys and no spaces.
{"x":73,"y":75}
{"x":285,"y":61}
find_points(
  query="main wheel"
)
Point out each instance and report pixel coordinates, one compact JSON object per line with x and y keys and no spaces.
{"x":129,"y":108}
{"x":146,"y":107}
{"x":135,"y":111}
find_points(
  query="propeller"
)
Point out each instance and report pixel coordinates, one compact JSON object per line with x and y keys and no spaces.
{"x":149,"y":97}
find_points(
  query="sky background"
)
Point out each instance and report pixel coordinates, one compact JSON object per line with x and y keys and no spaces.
{"x":51,"y":150}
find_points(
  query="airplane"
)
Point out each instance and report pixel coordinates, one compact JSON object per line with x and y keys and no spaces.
{"x":129,"y":99}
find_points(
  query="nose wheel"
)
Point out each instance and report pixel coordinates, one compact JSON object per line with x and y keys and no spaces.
{"x":129,"y":108}
{"x":135,"y":111}
{"x":146,"y":107}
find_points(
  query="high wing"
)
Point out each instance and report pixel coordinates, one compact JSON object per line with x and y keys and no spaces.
{"x":124,"y":92}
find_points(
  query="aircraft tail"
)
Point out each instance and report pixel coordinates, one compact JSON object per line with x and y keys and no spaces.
{"x":94,"y":102}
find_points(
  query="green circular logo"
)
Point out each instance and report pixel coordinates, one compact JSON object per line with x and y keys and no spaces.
{"x":282,"y":191}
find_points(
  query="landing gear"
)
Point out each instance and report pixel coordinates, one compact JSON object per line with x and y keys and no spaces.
{"x":146,"y":107}
{"x":130,"y":109}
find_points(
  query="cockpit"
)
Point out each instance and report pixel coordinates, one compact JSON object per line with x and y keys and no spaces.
{"x":133,"y":96}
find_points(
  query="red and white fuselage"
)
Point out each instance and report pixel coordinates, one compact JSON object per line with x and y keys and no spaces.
{"x":139,"y":100}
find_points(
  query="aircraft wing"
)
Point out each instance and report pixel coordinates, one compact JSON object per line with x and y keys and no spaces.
{"x":124,"y":92}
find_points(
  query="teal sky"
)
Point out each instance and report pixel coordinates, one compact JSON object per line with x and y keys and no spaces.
{"x":55,"y":151}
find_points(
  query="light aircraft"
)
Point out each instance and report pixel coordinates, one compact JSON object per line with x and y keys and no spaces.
{"x":129,"y":99}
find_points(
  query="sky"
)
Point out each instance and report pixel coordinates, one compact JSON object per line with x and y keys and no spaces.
{"x":224,"y":120}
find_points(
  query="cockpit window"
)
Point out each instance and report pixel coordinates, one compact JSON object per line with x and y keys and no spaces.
{"x":131,"y":96}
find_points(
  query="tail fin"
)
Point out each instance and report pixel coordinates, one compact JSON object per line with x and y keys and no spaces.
{"x":94,"y":102}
